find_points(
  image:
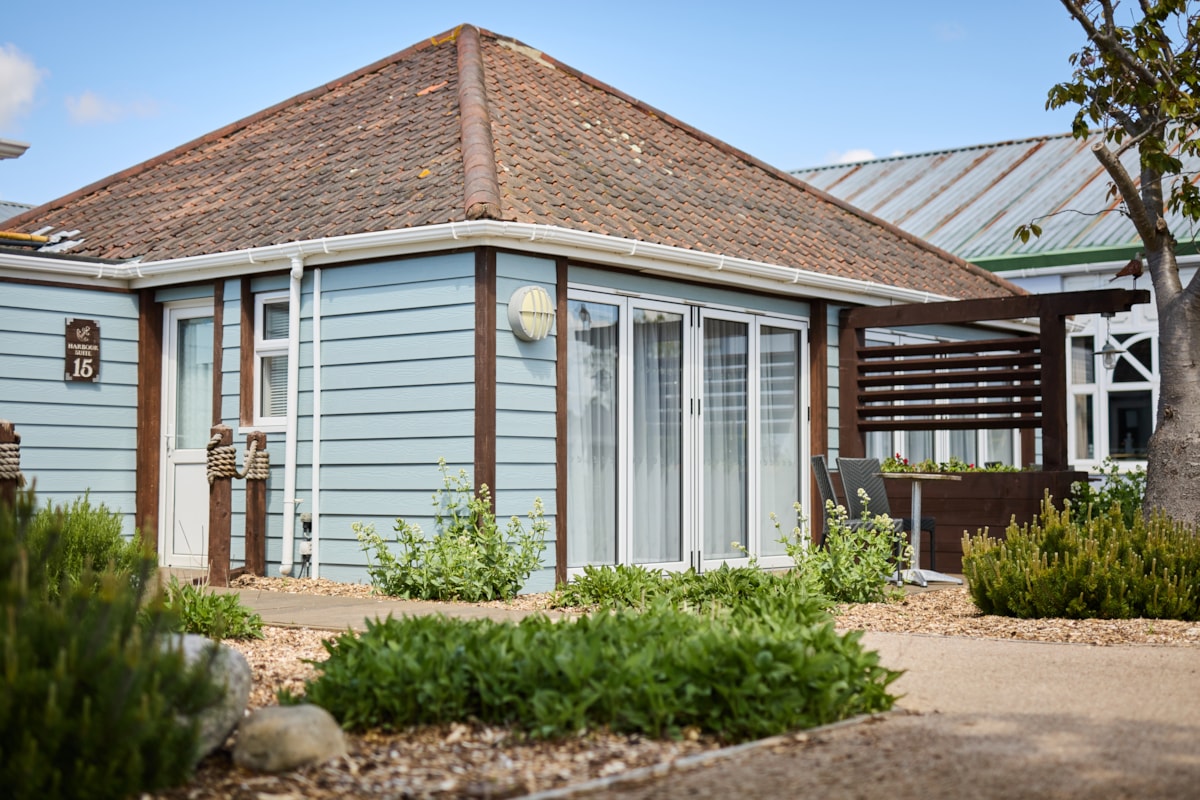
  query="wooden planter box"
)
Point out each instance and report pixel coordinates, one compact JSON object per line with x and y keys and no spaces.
{"x":980,"y":500}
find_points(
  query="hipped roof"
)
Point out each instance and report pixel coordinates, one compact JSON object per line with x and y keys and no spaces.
{"x":471,"y":125}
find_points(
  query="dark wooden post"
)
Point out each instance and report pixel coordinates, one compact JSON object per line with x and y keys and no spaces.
{"x":220,"y":515}
{"x":1054,"y":392}
{"x":852,"y":442}
{"x":256,"y":510}
{"x":9,"y":475}
{"x":818,"y":394}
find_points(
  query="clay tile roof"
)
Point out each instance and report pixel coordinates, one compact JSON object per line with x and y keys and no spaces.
{"x":472,"y":125}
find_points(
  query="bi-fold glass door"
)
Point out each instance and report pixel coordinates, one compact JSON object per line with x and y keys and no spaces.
{"x":684,"y":433}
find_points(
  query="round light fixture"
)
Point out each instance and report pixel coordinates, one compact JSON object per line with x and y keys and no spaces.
{"x":531,"y":313}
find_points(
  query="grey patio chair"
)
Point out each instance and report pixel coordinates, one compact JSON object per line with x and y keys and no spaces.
{"x":825,"y":489}
{"x":863,"y":473}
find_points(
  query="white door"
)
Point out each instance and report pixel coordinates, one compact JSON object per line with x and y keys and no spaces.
{"x":187,"y":419}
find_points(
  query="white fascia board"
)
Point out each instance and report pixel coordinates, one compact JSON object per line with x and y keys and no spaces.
{"x":82,"y":273}
{"x":537,"y":239}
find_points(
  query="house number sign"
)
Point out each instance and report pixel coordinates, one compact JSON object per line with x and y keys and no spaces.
{"x":83,"y":350}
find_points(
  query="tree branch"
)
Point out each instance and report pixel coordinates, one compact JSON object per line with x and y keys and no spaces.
{"x":1129,"y":191}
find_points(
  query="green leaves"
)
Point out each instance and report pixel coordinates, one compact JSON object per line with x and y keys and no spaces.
{"x":739,"y":673}
{"x":469,"y":559}
{"x":91,"y":698}
{"x":217,"y":616}
{"x":1096,"y":567}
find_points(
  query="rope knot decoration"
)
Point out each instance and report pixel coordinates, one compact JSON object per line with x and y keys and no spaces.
{"x":222,"y":462}
{"x":10,"y":462}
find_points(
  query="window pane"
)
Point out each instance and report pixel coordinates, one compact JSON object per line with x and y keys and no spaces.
{"x":779,"y":449}
{"x":1136,"y":364}
{"x":1083,"y":363}
{"x":275,"y":320}
{"x":657,"y":483}
{"x":726,"y":463}
{"x":193,"y":382}
{"x":592,"y":346}
{"x":1085,"y":445}
{"x":1130,"y":423}
{"x":273,"y":384}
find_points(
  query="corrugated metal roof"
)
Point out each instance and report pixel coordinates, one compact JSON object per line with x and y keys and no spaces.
{"x":9,"y":209}
{"x":969,"y":201}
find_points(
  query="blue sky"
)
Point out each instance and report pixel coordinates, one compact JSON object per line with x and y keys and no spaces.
{"x":98,"y":87}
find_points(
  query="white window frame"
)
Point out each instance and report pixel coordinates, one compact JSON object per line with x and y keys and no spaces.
{"x":267,"y":348}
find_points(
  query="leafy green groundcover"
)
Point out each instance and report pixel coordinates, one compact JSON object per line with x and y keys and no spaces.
{"x":774,"y":665}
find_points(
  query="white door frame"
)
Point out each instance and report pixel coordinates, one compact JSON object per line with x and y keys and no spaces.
{"x":192,"y":460}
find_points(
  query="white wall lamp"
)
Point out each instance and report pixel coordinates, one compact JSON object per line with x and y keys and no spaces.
{"x":531,"y":313}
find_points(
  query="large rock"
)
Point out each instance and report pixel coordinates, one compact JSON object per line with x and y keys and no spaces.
{"x":228,"y":669}
{"x":278,"y":738}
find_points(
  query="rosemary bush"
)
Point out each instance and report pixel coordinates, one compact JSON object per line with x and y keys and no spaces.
{"x":91,"y":697}
{"x":470,"y":558}
{"x":88,"y":538}
{"x":1097,"y":566}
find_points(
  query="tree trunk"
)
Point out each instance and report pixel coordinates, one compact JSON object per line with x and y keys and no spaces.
{"x":1173,"y":461}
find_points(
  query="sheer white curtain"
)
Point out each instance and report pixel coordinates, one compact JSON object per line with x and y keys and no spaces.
{"x":193,"y":384}
{"x":779,"y":447}
{"x":592,"y":387}
{"x":656,"y":489}
{"x":726,"y":461}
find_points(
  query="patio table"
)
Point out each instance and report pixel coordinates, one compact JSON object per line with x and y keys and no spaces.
{"x":921,"y":577}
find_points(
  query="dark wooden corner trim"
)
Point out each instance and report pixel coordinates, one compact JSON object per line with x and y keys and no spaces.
{"x":818,"y":399}
{"x":485,"y":369}
{"x":218,"y":346}
{"x":246,"y":356}
{"x":560,"y":424}
{"x":149,"y":416}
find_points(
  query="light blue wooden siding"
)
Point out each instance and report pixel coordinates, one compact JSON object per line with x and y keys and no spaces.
{"x":525,"y":409}
{"x":397,"y":377}
{"x":75,"y":437}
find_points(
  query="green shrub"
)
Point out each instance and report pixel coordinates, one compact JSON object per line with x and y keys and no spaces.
{"x":622,"y":586}
{"x":609,"y":586}
{"x":854,"y":564}
{"x":1097,"y":566}
{"x":469,"y":558}
{"x":91,"y":540}
{"x":1126,"y":489}
{"x":776,"y":665}
{"x":91,"y":696}
{"x":217,"y":616}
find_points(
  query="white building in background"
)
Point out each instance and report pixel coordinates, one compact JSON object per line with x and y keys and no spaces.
{"x":971,"y":200}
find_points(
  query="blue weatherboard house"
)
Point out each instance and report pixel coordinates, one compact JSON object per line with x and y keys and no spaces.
{"x":469,"y":251}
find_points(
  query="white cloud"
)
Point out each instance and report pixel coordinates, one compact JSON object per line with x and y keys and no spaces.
{"x":90,"y":108}
{"x":850,"y":156}
{"x":19,"y":78}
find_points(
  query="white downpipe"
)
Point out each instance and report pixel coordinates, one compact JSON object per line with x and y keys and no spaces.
{"x":293,"y":391}
{"x":316,"y":426}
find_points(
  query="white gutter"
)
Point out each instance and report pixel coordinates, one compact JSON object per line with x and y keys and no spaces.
{"x":293,"y":391}
{"x":316,"y":425}
{"x":542,"y":239}
{"x":594,"y":247}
